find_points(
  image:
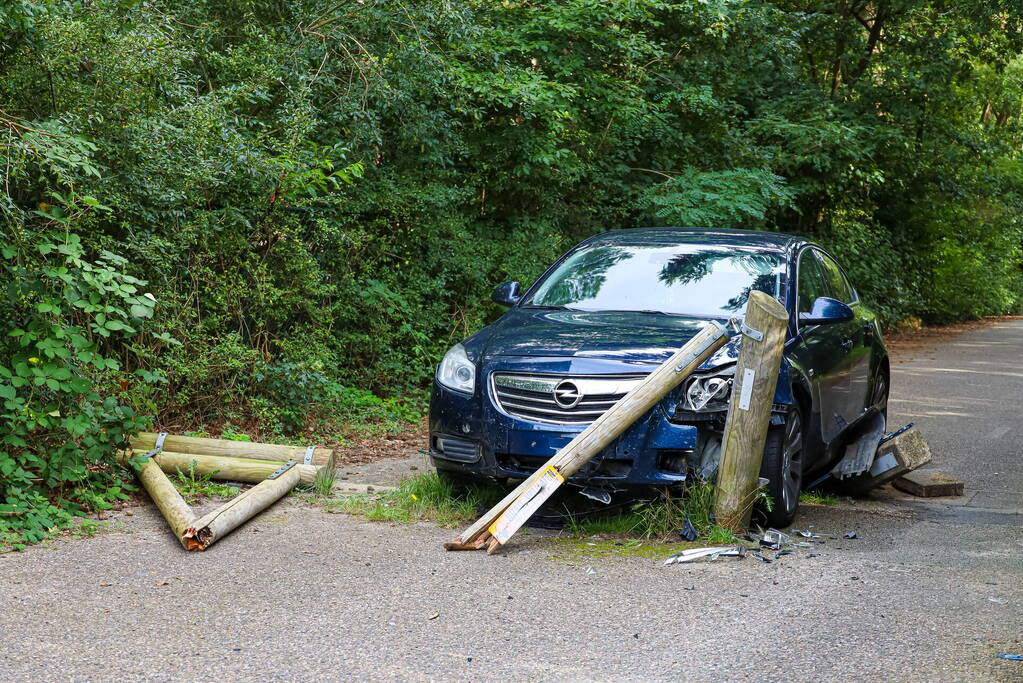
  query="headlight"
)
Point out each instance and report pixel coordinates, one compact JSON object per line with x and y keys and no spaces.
{"x":456,"y":371}
{"x":704,"y":390}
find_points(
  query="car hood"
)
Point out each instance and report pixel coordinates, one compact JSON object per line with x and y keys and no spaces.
{"x":622,"y":336}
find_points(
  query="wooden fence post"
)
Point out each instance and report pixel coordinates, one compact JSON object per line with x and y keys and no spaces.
{"x":749,"y":411}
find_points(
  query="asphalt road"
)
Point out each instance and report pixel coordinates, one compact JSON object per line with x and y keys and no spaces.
{"x":930,"y":590}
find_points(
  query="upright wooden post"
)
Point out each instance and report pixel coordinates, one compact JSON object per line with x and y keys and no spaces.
{"x":749,"y":412}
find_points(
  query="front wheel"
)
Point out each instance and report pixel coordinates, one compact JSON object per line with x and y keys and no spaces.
{"x":783,"y":468}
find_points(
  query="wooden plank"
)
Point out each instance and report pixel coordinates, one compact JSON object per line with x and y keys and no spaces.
{"x":209,"y":529}
{"x":929,"y":484}
{"x":749,"y":411}
{"x":602,"y":431}
{"x":231,"y":449}
{"x":228,"y":469}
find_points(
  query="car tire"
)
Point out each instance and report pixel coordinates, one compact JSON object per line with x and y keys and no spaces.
{"x":879,"y":399}
{"x":783,"y":468}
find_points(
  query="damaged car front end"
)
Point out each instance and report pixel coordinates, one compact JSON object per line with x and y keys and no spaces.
{"x":604,"y":316}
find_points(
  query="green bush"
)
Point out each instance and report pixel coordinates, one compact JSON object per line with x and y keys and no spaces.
{"x":322,"y":196}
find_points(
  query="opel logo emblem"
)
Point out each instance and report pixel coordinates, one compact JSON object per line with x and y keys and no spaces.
{"x":567,"y":395}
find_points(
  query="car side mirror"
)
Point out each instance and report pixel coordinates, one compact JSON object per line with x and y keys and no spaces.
{"x":506,"y":294}
{"x":825,"y":311}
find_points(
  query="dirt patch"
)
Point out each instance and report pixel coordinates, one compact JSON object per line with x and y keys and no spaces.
{"x":404,"y":444}
{"x":906,"y":344}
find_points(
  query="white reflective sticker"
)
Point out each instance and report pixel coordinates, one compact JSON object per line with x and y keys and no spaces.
{"x":528,"y":502}
{"x":747,"y":388}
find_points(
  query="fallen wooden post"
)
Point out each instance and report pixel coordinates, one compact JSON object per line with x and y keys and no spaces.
{"x":209,"y":529}
{"x":194,"y":533}
{"x":234,"y":449}
{"x":498,"y":525}
{"x":749,"y":411}
{"x":229,"y":469}
{"x":170,"y":503}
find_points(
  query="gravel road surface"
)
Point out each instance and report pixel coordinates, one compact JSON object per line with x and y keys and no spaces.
{"x":930,"y":589}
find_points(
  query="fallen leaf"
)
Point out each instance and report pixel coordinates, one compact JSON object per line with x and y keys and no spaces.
{"x":163,"y":583}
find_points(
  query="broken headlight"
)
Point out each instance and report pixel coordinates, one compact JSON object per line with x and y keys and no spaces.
{"x":708,"y":392}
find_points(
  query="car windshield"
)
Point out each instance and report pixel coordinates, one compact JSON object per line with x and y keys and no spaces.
{"x":692,"y":280}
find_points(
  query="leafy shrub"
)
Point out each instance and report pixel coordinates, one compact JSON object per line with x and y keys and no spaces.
{"x":65,"y":317}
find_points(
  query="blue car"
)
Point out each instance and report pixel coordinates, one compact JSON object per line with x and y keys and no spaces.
{"x":616,"y":306}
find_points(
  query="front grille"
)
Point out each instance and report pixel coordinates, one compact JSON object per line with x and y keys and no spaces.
{"x":559,"y":399}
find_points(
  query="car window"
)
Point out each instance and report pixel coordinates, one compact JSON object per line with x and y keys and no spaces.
{"x":686,"y":279}
{"x":812,"y":284}
{"x":839,"y":286}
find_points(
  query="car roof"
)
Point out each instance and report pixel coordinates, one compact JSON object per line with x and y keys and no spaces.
{"x":768,"y":241}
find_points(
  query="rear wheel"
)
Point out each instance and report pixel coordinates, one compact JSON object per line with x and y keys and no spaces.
{"x":783,"y":468}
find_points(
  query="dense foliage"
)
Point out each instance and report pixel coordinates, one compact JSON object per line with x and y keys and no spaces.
{"x":262,"y":211}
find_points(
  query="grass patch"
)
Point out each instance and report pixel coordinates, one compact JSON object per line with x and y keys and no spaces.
{"x":817,"y":498}
{"x":641,"y":528}
{"x":194,"y":487}
{"x":660,"y":519}
{"x":423,"y":498}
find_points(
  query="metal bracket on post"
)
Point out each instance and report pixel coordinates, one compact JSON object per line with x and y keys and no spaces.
{"x":755,"y":335}
{"x":282,"y":469}
{"x":158,"y":447}
{"x":690,"y":357}
{"x":308,"y":460}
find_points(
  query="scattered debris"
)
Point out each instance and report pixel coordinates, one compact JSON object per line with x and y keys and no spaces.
{"x":998,"y":601}
{"x":851,"y":534}
{"x":591,"y":570}
{"x":688,"y":532}
{"x":597,"y":494}
{"x":929,"y":484}
{"x":433,"y":616}
{"x":772,"y":539}
{"x":805,"y":533}
{"x":1012,"y":658}
{"x":711,"y":553}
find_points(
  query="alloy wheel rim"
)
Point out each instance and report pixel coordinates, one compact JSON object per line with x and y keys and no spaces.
{"x":792,"y":460}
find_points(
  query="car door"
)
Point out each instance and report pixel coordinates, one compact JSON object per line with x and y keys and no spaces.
{"x":819,"y":351}
{"x":856,"y":336}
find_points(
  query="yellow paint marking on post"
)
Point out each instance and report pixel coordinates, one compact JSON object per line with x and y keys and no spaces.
{"x":512,"y":519}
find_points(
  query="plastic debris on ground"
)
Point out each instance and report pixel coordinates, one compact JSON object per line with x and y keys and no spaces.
{"x":851,"y":534}
{"x":805,"y":533}
{"x":772,"y":539}
{"x":1011,"y":658}
{"x":710,"y":553}
{"x":597,"y":494}
{"x":688,"y":532}
{"x":999,"y":601}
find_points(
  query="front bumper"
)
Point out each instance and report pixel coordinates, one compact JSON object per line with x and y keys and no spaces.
{"x":471,"y":435}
